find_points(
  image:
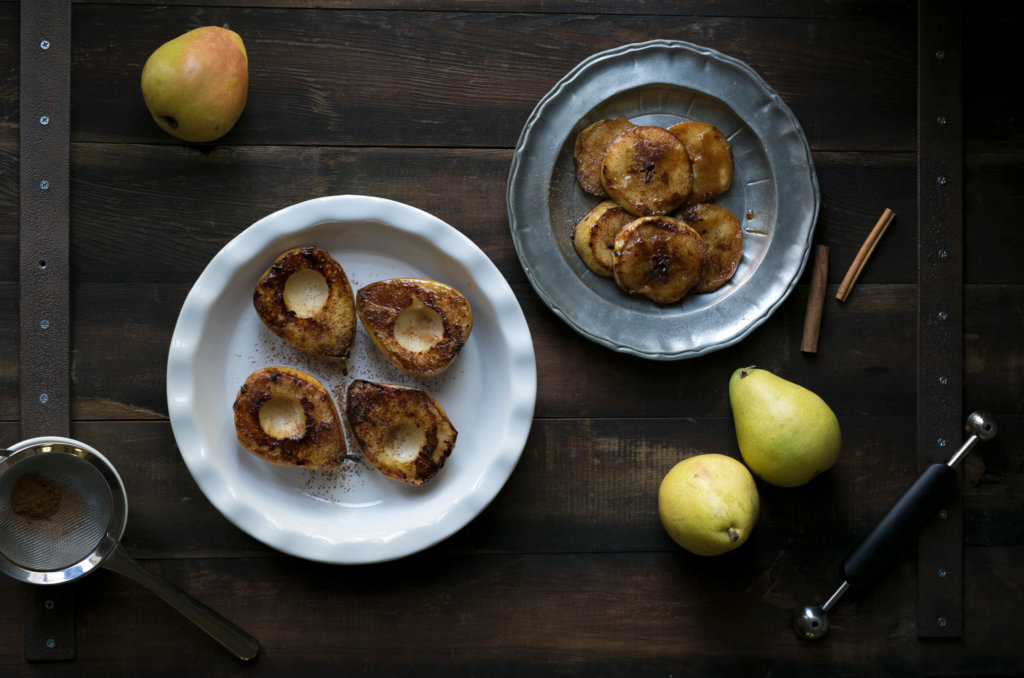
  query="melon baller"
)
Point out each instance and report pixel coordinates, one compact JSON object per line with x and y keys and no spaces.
{"x":84,"y":530}
{"x":904,"y":520}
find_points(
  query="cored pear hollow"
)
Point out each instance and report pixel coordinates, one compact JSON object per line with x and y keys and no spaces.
{"x":419,"y":325}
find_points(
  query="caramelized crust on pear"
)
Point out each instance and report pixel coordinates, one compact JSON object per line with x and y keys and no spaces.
{"x":419,"y":325}
{"x":287,"y":417}
{"x":647,"y":171}
{"x":594,"y":236}
{"x":721,"y":232}
{"x":402,"y":431}
{"x":659,"y":257}
{"x":711,"y":156}
{"x":305,"y":298}
{"x":589,"y":149}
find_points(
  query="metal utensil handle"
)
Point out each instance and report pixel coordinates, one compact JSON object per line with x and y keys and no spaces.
{"x":903,"y":522}
{"x":240,"y":643}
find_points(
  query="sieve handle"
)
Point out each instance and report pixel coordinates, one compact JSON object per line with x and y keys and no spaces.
{"x":240,"y":643}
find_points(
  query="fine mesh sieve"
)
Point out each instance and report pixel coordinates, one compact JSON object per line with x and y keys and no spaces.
{"x":63,"y":510}
{"x":48,"y":546}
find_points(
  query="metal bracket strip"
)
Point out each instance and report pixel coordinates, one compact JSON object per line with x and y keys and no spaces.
{"x":940,"y":304}
{"x":45,"y":374}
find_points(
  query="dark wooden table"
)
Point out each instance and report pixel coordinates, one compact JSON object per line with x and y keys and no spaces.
{"x":568,"y":571}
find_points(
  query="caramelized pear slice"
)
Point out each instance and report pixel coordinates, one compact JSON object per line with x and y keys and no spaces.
{"x":647,"y":171}
{"x":711,"y":156}
{"x":722,"y":233}
{"x":305,"y":299}
{"x":419,"y":325}
{"x":594,"y":236}
{"x":287,"y":417}
{"x":401,"y":430}
{"x":659,"y":257}
{"x":589,"y":149}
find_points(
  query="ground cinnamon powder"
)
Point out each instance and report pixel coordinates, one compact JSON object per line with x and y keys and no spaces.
{"x":35,"y":497}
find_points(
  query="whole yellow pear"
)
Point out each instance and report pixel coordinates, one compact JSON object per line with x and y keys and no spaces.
{"x":708,"y":504}
{"x":786,"y":433}
{"x":196,"y":85}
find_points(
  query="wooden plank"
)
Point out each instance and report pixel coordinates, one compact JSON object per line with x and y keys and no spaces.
{"x":168,"y":205}
{"x":165,"y":205}
{"x":156,"y":206}
{"x":444,"y":79}
{"x":992,"y":253}
{"x":513,"y":615}
{"x":10,"y":67}
{"x":990,"y":40}
{"x":617,"y":464}
{"x":130,"y":385}
{"x":991,"y":112}
{"x":874,"y":376}
{"x":776,"y":9}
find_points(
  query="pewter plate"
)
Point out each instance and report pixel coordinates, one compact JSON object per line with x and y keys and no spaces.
{"x":774,"y":194}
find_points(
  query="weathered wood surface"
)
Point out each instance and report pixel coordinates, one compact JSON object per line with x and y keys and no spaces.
{"x":568,"y":572}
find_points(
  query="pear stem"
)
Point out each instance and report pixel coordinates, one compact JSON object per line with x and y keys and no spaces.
{"x":745,"y":371}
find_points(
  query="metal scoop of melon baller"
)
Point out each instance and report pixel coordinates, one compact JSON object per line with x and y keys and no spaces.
{"x":904,"y":520}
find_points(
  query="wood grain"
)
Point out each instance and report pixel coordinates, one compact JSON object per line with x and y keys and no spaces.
{"x":469,"y":616}
{"x":397,"y":78}
{"x":568,"y":571}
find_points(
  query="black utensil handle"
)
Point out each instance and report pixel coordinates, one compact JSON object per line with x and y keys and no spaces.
{"x":904,"y":521}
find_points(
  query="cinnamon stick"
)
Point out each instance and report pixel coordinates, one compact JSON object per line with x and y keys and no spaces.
{"x":816,"y":300}
{"x":864,"y":254}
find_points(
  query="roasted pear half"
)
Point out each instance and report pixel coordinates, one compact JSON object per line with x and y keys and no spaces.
{"x":659,"y":257}
{"x":420,"y":325}
{"x":305,"y":298}
{"x":401,"y":430}
{"x":287,"y":417}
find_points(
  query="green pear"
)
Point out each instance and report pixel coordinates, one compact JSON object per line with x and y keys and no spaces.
{"x":196,"y":85}
{"x":708,"y":504}
{"x":786,"y":433}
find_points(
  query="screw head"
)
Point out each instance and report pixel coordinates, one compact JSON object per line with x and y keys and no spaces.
{"x":44,"y":185}
{"x":44,"y":398}
{"x":45,"y":44}
{"x":44,"y":120}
